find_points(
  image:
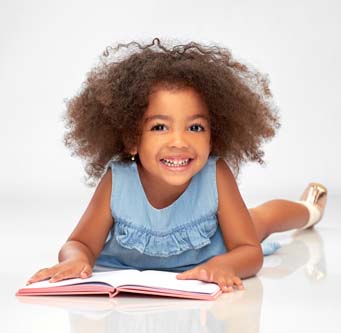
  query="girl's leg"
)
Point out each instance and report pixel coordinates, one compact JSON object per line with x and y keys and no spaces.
{"x":282,"y":215}
{"x":278,"y":215}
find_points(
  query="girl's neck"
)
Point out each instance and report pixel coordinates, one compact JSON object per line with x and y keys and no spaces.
{"x":159,"y":194}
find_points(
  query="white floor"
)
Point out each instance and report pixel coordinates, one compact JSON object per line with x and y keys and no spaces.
{"x":298,"y":289}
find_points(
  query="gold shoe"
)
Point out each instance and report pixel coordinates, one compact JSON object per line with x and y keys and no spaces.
{"x":315,"y":194}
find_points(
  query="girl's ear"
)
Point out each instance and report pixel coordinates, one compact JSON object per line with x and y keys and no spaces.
{"x":133,"y":151}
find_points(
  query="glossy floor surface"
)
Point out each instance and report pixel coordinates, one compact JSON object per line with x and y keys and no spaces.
{"x":298,"y":289}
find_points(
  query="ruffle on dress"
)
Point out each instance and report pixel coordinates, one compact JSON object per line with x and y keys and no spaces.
{"x":190,"y":236}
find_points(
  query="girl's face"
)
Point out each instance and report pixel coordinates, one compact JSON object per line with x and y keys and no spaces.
{"x":175,"y":140}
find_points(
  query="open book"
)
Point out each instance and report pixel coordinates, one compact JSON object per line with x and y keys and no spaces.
{"x":132,"y":281}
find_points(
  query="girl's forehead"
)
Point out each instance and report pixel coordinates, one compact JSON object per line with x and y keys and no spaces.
{"x":170,"y":100}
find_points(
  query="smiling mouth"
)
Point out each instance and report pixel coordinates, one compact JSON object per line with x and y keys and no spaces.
{"x":176,"y":163}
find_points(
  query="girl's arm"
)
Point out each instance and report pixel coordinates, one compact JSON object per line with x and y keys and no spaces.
{"x":244,"y":257}
{"x":78,"y":255}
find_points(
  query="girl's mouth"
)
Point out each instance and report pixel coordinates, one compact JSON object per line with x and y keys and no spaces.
{"x":176,"y":163}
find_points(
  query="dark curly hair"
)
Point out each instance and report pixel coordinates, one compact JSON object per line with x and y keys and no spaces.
{"x":103,"y":119}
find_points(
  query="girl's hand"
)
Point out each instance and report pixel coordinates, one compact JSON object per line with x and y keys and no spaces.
{"x":65,"y":270}
{"x":215,"y":270}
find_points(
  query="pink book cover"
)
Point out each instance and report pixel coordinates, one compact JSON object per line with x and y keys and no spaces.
{"x":149,"y":282}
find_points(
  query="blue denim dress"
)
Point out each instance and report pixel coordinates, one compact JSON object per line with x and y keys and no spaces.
{"x":175,"y":238}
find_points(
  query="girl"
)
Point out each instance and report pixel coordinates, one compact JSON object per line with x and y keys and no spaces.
{"x":164,"y":128}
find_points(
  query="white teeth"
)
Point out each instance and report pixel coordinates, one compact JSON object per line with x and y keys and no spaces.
{"x":175,"y":163}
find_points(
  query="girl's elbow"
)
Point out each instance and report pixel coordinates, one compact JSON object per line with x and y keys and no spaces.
{"x":259,"y":258}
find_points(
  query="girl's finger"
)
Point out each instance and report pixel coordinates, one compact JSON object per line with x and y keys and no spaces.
{"x":65,"y":274}
{"x":57,"y":277}
{"x":229,"y":282}
{"x":204,"y":275}
{"x":42,"y":274}
{"x":238,"y":283}
{"x":86,"y":272}
{"x":227,"y":289}
{"x":229,"y":285}
{"x":196,"y":273}
{"x":186,"y":275}
{"x":222,"y":285}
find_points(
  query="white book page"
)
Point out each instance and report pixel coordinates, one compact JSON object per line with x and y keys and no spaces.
{"x":113,"y":278}
{"x":130,"y":277}
{"x":168,"y":280}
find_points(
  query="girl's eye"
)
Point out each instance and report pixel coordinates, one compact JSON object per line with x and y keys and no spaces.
{"x":197,"y":128}
{"x":158,"y":127}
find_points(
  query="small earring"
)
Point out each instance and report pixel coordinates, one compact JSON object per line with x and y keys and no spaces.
{"x":132,"y":157}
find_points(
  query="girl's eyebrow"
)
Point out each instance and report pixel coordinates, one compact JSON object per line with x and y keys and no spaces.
{"x":165,"y":117}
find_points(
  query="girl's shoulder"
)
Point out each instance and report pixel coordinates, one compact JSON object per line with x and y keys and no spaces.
{"x":119,"y":168}
{"x":224,"y":175}
{"x":229,"y":195}
{"x":223,"y":169}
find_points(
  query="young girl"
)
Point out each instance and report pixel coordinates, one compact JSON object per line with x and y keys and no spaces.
{"x":165,"y":129}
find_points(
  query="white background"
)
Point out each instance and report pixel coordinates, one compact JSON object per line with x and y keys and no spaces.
{"x":47,"y":47}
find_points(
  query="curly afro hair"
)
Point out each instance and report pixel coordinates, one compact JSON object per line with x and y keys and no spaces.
{"x":103,"y":119}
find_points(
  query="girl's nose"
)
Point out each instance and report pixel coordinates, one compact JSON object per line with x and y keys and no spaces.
{"x":178,"y":139}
